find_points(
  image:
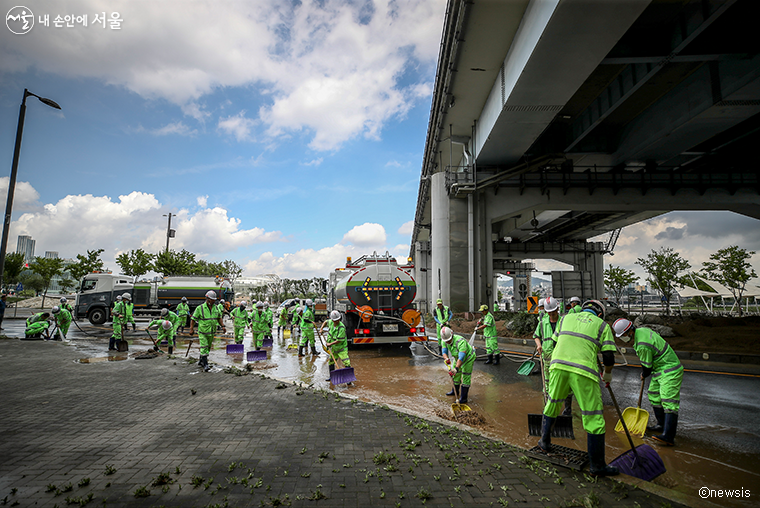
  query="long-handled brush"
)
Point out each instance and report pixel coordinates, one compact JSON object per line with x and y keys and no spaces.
{"x":344,"y":375}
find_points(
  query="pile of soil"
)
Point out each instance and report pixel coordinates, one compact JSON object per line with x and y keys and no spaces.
{"x":695,"y":332}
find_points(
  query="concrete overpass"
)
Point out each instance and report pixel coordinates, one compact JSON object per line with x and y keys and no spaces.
{"x":556,"y":121}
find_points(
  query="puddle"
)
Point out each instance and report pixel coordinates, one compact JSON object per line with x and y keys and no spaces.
{"x":99,"y":359}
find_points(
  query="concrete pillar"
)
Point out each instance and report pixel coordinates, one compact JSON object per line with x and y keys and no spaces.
{"x":422,"y":273}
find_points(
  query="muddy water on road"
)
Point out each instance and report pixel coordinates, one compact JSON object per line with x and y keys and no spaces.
{"x":411,"y":378}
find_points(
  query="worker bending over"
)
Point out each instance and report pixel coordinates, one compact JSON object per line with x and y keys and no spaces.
{"x":37,"y":324}
{"x":660,"y":361}
{"x":574,"y":367}
{"x":208,"y":317}
{"x":62,"y":320}
{"x":165,"y":333}
{"x":457,"y":350}
{"x":337,"y":343}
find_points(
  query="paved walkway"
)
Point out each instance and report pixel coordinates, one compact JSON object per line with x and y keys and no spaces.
{"x":110,"y":431}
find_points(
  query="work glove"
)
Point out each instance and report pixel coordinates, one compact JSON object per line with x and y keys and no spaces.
{"x":447,"y":361}
{"x":607,"y":377}
{"x":453,"y":371}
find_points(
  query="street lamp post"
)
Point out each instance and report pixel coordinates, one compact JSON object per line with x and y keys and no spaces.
{"x":14,"y":171}
{"x":170,"y":233}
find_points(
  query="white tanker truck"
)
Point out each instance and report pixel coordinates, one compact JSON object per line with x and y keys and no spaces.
{"x":376,"y":295}
{"x":99,"y":290}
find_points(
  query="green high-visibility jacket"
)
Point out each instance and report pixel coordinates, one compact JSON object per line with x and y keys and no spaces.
{"x":442,"y":316}
{"x":490,"y":322}
{"x":268,"y":313}
{"x":33,"y":319}
{"x":258,"y":321}
{"x":542,"y":320}
{"x":240,"y":316}
{"x":307,"y":319}
{"x":459,"y":348}
{"x":337,"y":332}
{"x":580,"y":337}
{"x":119,"y":313}
{"x":171,"y":317}
{"x":162,"y":334}
{"x":654,"y":352}
{"x":183,"y":309}
{"x":63,"y":317}
{"x":207,"y":318}
{"x":545,"y":332}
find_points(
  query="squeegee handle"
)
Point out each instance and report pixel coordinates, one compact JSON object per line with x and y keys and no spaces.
{"x":617,"y":408}
{"x":641,"y":393}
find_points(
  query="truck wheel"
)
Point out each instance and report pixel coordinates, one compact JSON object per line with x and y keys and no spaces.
{"x":97,"y":316}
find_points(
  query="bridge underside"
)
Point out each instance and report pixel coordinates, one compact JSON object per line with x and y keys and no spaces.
{"x":556,"y":121}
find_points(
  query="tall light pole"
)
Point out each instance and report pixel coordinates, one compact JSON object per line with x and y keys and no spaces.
{"x":14,"y":171}
{"x":169,"y":232}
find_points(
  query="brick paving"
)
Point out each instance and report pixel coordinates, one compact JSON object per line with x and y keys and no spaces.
{"x":245,"y":441}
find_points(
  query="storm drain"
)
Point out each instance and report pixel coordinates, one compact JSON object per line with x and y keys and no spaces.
{"x":562,"y":456}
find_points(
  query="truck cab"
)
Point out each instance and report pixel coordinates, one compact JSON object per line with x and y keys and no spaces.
{"x":97,"y":294}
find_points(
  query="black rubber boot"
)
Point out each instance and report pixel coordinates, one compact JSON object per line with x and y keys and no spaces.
{"x":206,"y":366}
{"x":659,"y":414}
{"x":496,"y":358}
{"x":171,"y":349}
{"x":332,"y":368}
{"x":453,"y":391}
{"x":490,"y":359}
{"x":300,"y":351}
{"x":568,"y":411}
{"x":112,"y":343}
{"x":597,"y":465}
{"x":463,"y":394}
{"x":668,"y":436}
{"x":314,"y":351}
{"x":545,"y":443}
{"x":134,"y":327}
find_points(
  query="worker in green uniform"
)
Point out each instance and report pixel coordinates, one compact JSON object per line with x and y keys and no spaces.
{"x":165,"y":333}
{"x":172,"y":318}
{"x":208,"y":316}
{"x":488,"y":327}
{"x":544,"y":337}
{"x":239,"y":321}
{"x":118,"y":314}
{"x":62,"y":320}
{"x":457,"y":350}
{"x":579,"y":339}
{"x":37,"y":324}
{"x":660,"y":361}
{"x":442,"y":316}
{"x":258,"y":325}
{"x":129,"y":308}
{"x":307,"y":329}
{"x":64,"y":304}
{"x":295,"y":323}
{"x":183,"y":311}
{"x":575,"y":305}
{"x":337,"y":342}
{"x":283,"y":321}
{"x":268,"y":314}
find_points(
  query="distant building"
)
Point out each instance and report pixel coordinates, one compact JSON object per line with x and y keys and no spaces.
{"x":25,"y":246}
{"x":51,"y":254}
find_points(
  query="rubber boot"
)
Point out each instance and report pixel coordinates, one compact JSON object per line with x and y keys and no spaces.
{"x":597,"y":465}
{"x":171,"y":349}
{"x":490,"y":359}
{"x":659,"y":414}
{"x":112,"y":343}
{"x":300,"y":351}
{"x":568,"y":411}
{"x":314,"y":351}
{"x":545,"y":443}
{"x":332,"y":368}
{"x":463,"y":394}
{"x":496,"y":358}
{"x":668,"y":436}
{"x":134,"y":327}
{"x":453,"y":390}
{"x":206,"y":366}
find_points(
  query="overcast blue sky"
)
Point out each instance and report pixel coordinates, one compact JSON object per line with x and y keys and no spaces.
{"x":284,"y":135}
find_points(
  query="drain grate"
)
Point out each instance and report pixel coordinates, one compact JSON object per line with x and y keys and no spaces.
{"x":562,"y":456}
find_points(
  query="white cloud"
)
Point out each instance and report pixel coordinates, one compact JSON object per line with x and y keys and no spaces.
{"x":334,"y":69}
{"x":24,"y":195}
{"x":77,"y":223}
{"x":178,"y":128}
{"x":237,"y":125}
{"x":406,"y":228}
{"x":315,"y":162}
{"x":367,"y":235}
{"x":202,"y":201}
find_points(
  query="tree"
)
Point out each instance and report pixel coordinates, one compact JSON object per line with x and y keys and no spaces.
{"x":47,"y":268}
{"x":663,"y":267}
{"x":66,"y":285}
{"x":729,"y":267}
{"x":274,"y":287}
{"x":32,"y":283}
{"x":14,"y":265}
{"x":135,"y":262}
{"x":174,"y":263}
{"x":86,"y":264}
{"x":617,"y":279}
{"x":231,"y":270}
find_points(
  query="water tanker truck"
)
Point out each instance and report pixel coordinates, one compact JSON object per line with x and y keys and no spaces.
{"x":99,"y":290}
{"x":375,"y":294}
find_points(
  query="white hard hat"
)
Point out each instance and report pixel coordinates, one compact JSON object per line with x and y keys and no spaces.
{"x":335,"y":315}
{"x":56,"y":310}
{"x":127,"y":296}
{"x":211,"y":295}
{"x":221,"y":301}
{"x":596,"y":306}
{"x":575,"y":299}
{"x":309,"y":302}
{"x":550,"y":304}
{"x":118,"y":298}
{"x":447,"y":334}
{"x":167,"y":325}
{"x":164,"y":312}
{"x":243,"y":304}
{"x":259,"y":305}
{"x":621,"y":326}
{"x":184,"y":298}
{"x":541,"y":303}
{"x":63,"y":299}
